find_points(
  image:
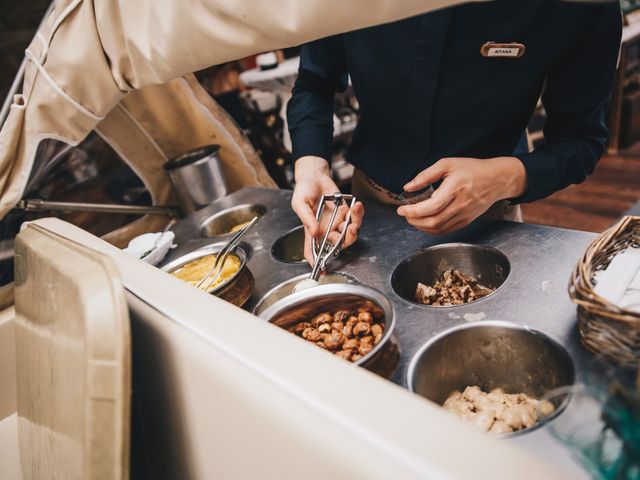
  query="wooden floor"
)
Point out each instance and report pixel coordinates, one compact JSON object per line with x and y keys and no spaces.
{"x":598,"y":202}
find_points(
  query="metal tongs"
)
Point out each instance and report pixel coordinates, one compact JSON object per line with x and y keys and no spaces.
{"x":216,"y":270}
{"x":326,"y":252}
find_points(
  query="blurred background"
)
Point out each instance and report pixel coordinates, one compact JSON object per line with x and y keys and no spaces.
{"x":255,"y":95}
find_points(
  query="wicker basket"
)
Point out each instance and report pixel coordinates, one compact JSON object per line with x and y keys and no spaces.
{"x":606,"y":329}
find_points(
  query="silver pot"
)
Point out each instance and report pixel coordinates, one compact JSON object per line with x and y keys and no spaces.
{"x":490,"y":354}
{"x":304,"y":305}
{"x":285,"y":289}
{"x":198,"y":178}
{"x":203,"y":252}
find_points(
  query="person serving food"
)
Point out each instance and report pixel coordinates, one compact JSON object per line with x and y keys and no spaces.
{"x":445,"y":99}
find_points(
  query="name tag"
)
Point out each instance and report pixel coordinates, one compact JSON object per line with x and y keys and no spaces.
{"x":502,"y":50}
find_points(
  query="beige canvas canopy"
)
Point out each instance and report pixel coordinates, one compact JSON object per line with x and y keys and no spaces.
{"x":88,"y":55}
{"x":159,"y":122}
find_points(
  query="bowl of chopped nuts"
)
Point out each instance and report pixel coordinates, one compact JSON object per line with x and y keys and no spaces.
{"x":493,"y":374}
{"x":353,"y":322}
{"x":451,"y":274}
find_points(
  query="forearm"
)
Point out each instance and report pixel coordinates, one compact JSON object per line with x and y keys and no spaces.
{"x":511,"y":177}
{"x":311,"y":167}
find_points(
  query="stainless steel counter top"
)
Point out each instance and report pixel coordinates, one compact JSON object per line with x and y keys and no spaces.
{"x":534,"y":294}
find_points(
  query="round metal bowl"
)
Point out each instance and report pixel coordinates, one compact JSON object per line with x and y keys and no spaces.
{"x":221,"y":223}
{"x":491,"y":354}
{"x":286,"y":288}
{"x":290,"y":247}
{"x":304,"y":305}
{"x":203,"y":252}
{"x":488,"y":265}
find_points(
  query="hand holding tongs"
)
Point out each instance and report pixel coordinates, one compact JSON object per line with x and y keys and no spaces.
{"x":326,"y":252}
{"x":216,"y":270}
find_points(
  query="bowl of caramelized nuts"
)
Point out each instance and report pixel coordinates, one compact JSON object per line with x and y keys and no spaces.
{"x":353,"y":322}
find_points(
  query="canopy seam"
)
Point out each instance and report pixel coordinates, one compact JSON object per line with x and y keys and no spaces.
{"x":58,"y":89}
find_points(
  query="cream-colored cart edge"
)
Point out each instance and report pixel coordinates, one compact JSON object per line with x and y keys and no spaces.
{"x":9,"y":458}
{"x":218,"y":393}
{"x":72,"y":359}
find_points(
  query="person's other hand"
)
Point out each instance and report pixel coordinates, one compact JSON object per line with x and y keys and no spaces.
{"x":469,"y":187}
{"x":313,"y":180}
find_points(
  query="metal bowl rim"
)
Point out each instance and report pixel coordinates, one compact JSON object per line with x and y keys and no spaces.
{"x":289,"y":232}
{"x":203,"y":252}
{"x":372,"y":294}
{"x":440,"y":247}
{"x":214,"y":216}
{"x":298,"y":278}
{"x":183,"y":159}
{"x":503,"y":324}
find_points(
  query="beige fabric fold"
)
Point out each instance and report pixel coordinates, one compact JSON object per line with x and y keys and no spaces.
{"x":89,"y":54}
{"x":159,"y":122}
{"x":180,"y":115}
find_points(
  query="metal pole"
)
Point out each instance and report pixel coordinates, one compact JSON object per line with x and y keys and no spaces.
{"x":36,"y":205}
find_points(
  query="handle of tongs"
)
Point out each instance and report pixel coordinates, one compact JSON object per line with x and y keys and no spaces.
{"x":320,"y":257}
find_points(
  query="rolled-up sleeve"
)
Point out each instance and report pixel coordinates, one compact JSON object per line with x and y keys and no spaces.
{"x":322,"y":73}
{"x":576,"y":100}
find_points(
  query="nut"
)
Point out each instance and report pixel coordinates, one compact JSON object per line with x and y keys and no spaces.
{"x":299,"y":328}
{"x":367,"y":339}
{"x":324,"y":328}
{"x":322,"y":318}
{"x":352,"y":321}
{"x":311,"y":334}
{"x":333,"y":340}
{"x":376,"y":329}
{"x":347,"y":330}
{"x":351,"y":343}
{"x":335,"y":325}
{"x":346,"y":354}
{"x":365,"y":317}
{"x":364,"y":348}
{"x":361,"y":329}
{"x":349,"y":334}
